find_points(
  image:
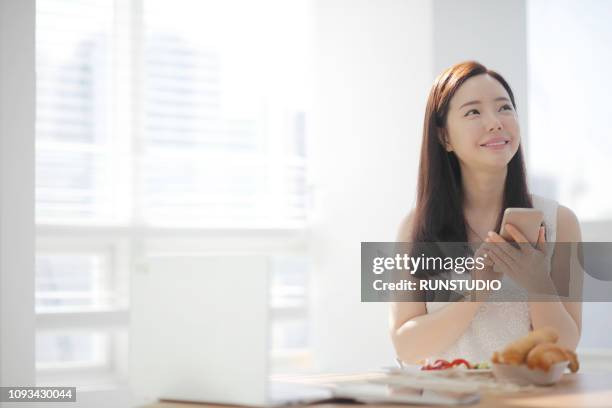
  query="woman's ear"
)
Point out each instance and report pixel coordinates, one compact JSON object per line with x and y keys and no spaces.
{"x":444,"y":140}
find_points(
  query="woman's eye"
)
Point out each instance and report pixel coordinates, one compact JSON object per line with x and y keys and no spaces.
{"x":506,"y":106}
{"x":470,"y":111}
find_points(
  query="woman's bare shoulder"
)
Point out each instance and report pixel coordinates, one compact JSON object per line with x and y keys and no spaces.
{"x":404,"y":233}
{"x":568,"y":226}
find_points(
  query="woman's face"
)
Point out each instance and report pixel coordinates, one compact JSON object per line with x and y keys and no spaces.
{"x":482,"y":125}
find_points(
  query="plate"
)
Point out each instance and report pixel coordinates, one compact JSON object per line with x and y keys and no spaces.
{"x":416,"y":369}
{"x":458,"y":370}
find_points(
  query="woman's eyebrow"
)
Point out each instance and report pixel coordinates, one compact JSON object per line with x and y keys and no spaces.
{"x":499,"y":98}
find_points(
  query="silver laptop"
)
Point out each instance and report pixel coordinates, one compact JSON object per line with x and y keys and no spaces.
{"x":200,"y":332}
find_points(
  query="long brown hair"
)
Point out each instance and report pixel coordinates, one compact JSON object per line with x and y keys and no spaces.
{"x":439,"y":208}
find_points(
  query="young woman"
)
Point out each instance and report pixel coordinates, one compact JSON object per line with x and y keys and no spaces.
{"x":471,"y":170}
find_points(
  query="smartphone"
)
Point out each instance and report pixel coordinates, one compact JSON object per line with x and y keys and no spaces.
{"x":526,"y":220}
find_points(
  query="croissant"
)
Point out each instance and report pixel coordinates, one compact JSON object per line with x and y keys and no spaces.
{"x":544,"y":355}
{"x":516,"y":352}
{"x":496,"y":358}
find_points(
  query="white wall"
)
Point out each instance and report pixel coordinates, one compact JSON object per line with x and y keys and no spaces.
{"x":374,"y":70}
{"x":16,"y":193}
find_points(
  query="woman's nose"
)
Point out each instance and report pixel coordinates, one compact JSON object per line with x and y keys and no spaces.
{"x":493,"y":123}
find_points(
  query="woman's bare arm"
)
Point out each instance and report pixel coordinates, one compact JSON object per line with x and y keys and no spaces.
{"x":565,"y":317}
{"x":417,"y":334}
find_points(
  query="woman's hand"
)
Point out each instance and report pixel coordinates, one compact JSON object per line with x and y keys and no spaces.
{"x":529,"y":267}
{"x":486,"y":274}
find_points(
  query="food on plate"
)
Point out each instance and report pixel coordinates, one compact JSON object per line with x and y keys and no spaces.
{"x":537,"y":350}
{"x":442,"y":364}
{"x":545,"y":355}
{"x":516,"y":352}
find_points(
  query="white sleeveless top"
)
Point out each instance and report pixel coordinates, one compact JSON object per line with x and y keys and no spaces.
{"x":495,"y":324}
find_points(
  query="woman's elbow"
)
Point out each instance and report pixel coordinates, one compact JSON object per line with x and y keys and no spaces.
{"x":404,"y":351}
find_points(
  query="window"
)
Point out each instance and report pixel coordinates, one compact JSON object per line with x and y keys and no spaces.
{"x":74,"y":66}
{"x":158,"y":126}
{"x":224,"y":101}
{"x":71,"y":280}
{"x":566,"y":70}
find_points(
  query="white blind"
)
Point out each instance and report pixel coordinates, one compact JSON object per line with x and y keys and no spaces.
{"x":224,"y":113}
{"x":74,"y":55}
{"x":217,"y":118}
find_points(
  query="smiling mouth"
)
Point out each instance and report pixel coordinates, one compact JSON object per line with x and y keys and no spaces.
{"x":495,"y":144}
